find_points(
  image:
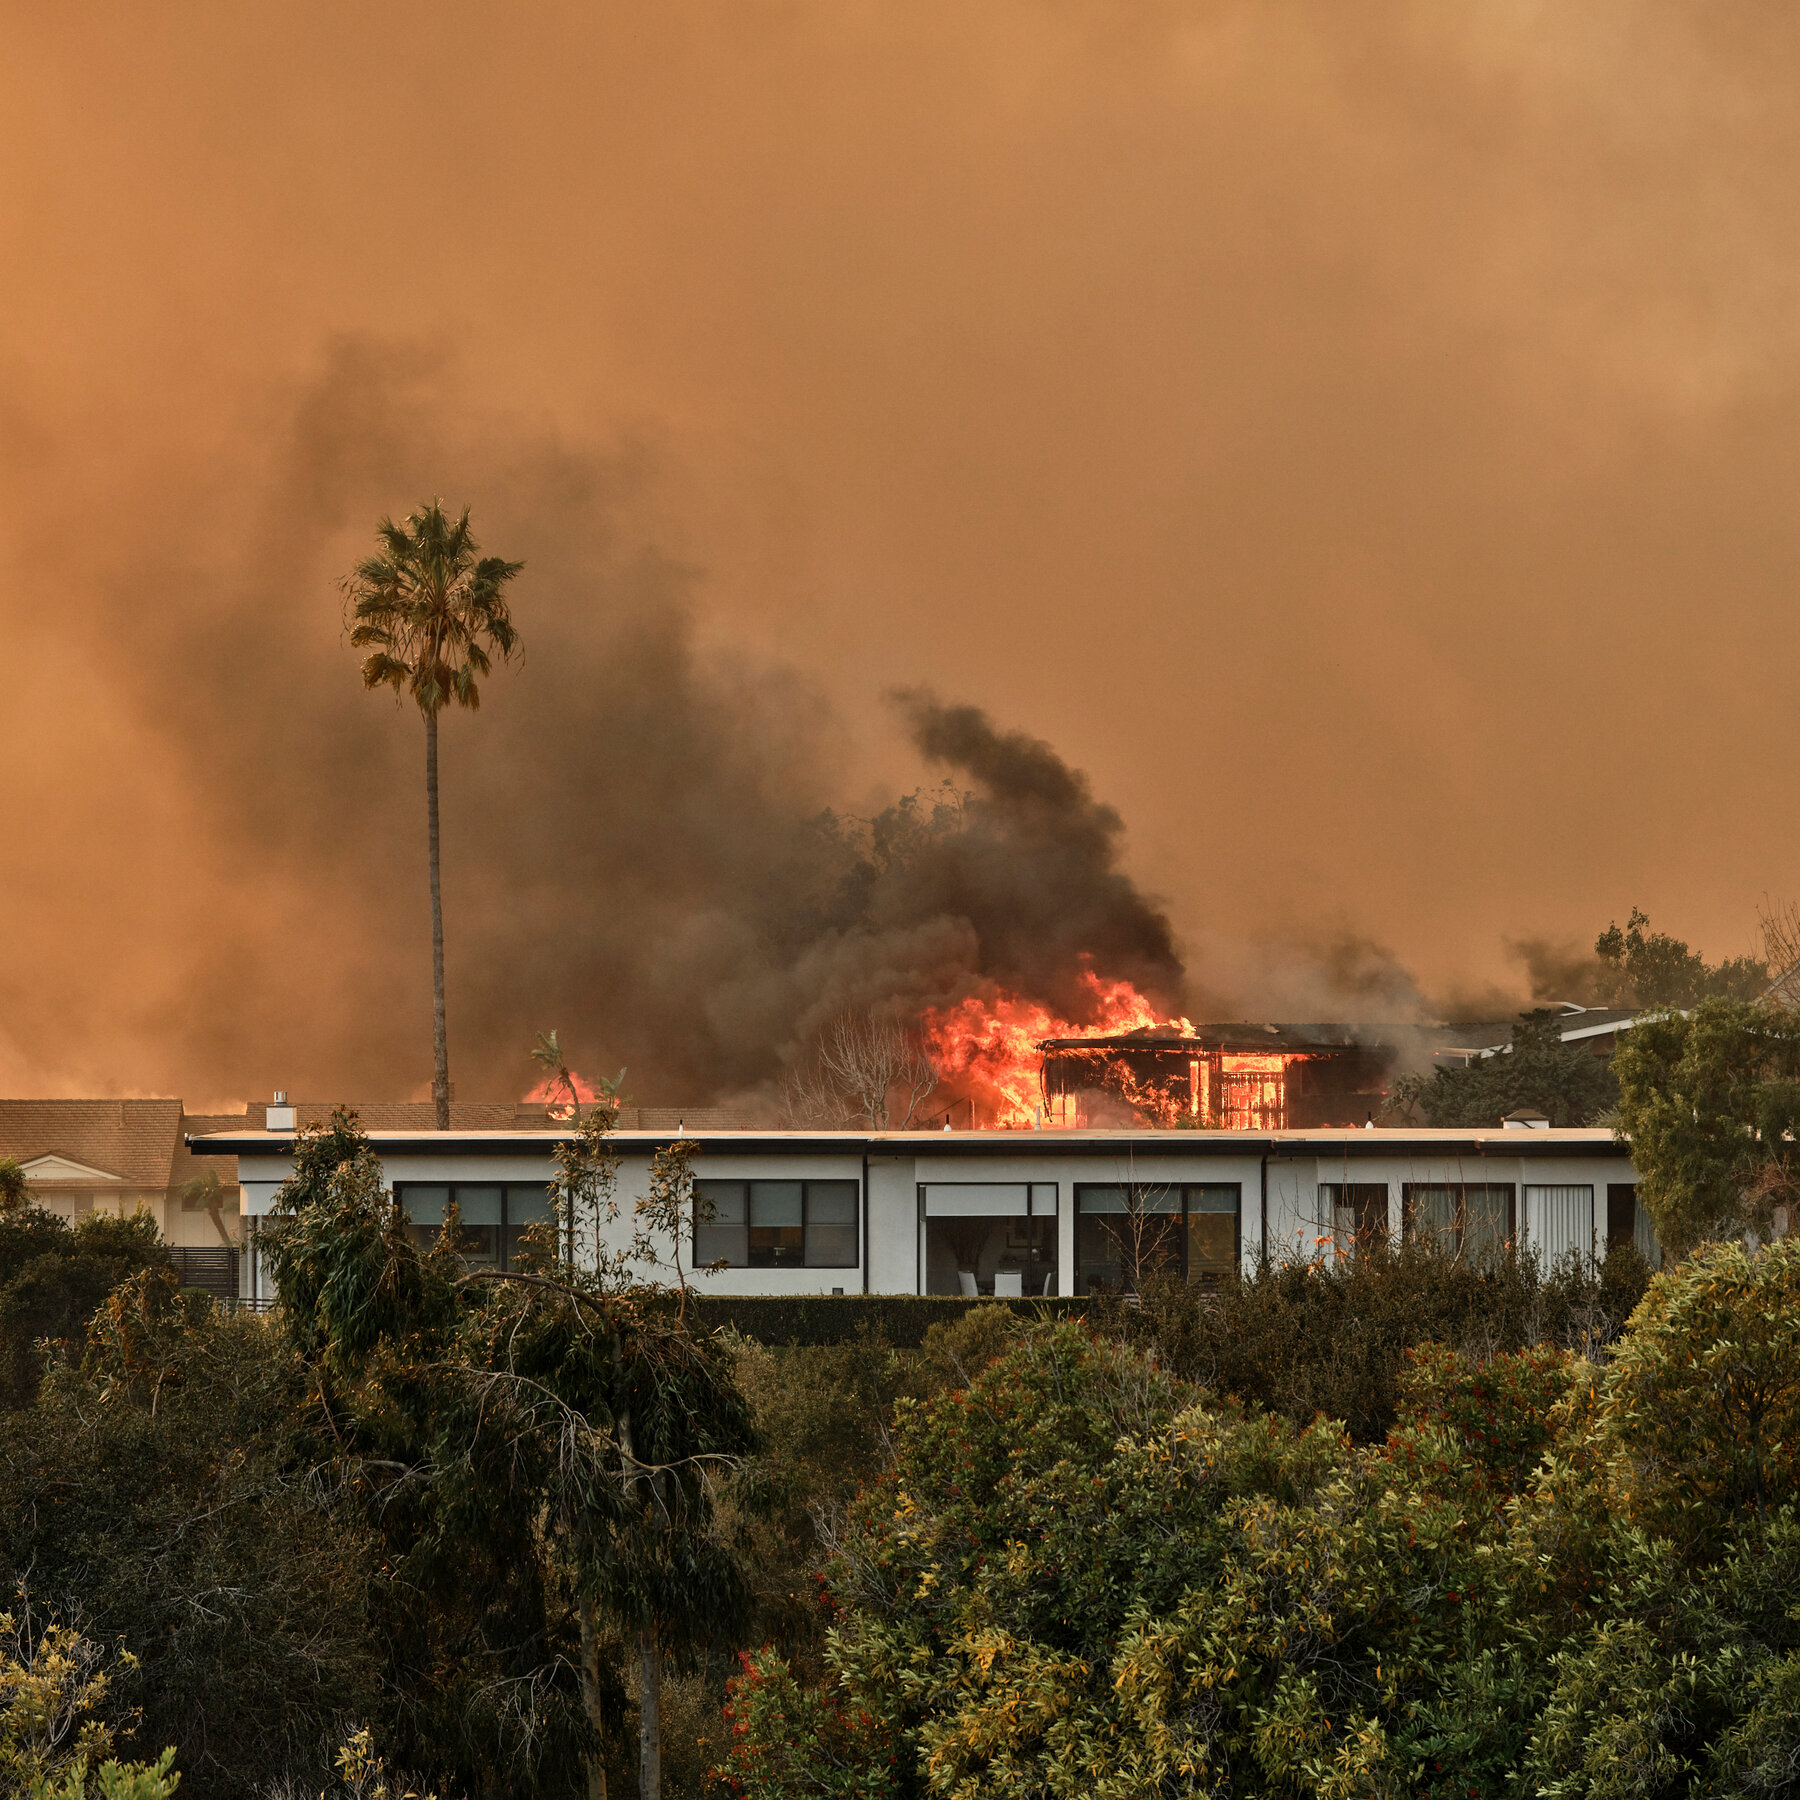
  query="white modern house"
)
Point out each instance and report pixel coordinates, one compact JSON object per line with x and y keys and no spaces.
{"x":1012,"y":1212}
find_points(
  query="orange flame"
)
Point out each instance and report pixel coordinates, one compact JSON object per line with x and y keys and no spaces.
{"x":553,"y":1091}
{"x":988,"y":1049}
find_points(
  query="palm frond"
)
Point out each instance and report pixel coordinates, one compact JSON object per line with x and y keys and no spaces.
{"x":432,"y":608}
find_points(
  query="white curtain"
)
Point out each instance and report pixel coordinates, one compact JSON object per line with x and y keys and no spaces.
{"x":1558,"y":1220}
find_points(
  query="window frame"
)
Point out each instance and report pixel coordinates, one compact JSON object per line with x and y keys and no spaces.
{"x":1410,"y":1190}
{"x":1183,"y":1214}
{"x":503,"y":1260}
{"x":1047,"y":1260}
{"x":804,"y":1262}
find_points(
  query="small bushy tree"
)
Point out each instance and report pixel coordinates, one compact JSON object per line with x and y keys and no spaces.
{"x":1709,"y":1102}
{"x":53,"y":1276}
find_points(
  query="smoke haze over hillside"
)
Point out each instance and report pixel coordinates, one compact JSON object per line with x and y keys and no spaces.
{"x":1360,"y":439}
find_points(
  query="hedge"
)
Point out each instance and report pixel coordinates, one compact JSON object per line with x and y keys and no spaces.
{"x":903,"y":1319}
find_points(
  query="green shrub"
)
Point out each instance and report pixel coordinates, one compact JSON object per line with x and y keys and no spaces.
{"x":902,"y":1320}
{"x":1305,"y":1337}
{"x":53,"y":1277}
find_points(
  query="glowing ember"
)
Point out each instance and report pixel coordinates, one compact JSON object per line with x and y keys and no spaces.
{"x":987,"y":1050}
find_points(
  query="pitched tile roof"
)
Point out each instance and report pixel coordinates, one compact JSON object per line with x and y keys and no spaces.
{"x":135,"y":1141}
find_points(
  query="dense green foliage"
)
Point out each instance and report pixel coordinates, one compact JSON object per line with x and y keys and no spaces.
{"x":1083,"y":1575}
{"x":1640,"y":968}
{"x":52,"y":1278}
{"x":1710,"y":1101}
{"x":1391,"y":1524}
{"x":1303,"y":1337}
{"x":902,"y":1320}
{"x":1567,"y":1083}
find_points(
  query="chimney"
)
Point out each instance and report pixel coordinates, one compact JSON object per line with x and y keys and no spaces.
{"x":1525,"y":1120}
{"x":278,"y":1115}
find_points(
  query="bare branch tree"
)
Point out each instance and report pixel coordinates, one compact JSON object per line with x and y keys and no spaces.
{"x":866,"y":1070}
{"x":1780,"y":922}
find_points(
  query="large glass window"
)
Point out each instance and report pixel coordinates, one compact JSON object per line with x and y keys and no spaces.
{"x":1355,"y":1213}
{"x":831,"y":1224}
{"x":1628,"y":1222}
{"x":493,"y":1218}
{"x":1559,"y":1223}
{"x":776,"y":1224}
{"x":989,"y":1237}
{"x":1125,"y":1233}
{"x":525,"y":1207}
{"x":1467,"y":1218}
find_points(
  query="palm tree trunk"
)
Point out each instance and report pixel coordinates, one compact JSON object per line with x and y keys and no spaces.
{"x":440,"y":1042}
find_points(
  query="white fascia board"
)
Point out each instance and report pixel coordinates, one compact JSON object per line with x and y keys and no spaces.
{"x":51,"y":1168}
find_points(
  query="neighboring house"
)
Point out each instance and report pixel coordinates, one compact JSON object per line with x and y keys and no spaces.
{"x":1005,"y":1212}
{"x":115,"y":1156}
{"x":1595,"y":1028}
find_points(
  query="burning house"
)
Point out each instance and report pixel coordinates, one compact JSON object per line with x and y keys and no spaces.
{"x":1241,"y":1077}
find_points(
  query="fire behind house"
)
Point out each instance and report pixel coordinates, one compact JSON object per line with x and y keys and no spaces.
{"x":1225,"y":1077}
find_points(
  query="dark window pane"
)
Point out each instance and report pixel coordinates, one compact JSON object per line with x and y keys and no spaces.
{"x":722,"y":1223}
{"x":526,"y":1204}
{"x":1621,"y":1213}
{"x":1212,"y":1247}
{"x":424,"y":1205}
{"x":777,"y":1229}
{"x":526,"y":1207}
{"x":424,"y":1208}
{"x":478,"y":1205}
{"x":831,"y":1224}
{"x":1212,"y":1236}
{"x":776,"y":1204}
{"x":1122,"y":1234}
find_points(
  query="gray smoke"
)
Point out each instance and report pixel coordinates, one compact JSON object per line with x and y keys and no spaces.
{"x":641,"y":849}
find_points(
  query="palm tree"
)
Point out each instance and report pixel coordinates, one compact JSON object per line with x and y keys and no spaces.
{"x":428,"y":606}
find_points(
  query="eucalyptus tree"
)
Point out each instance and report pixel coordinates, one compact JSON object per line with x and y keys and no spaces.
{"x":540,"y":1451}
{"x":429,"y":608}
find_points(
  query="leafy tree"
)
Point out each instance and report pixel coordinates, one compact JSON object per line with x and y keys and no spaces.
{"x":1304,"y":1335}
{"x":1084,"y":1577}
{"x":1642,"y":968}
{"x":428,"y":607}
{"x":53,"y":1277}
{"x":1709,"y":1101}
{"x":1675,"y":1666}
{"x":538,"y":1451}
{"x":15,"y":1193}
{"x":1565,"y":1082}
{"x":164,"y":1484}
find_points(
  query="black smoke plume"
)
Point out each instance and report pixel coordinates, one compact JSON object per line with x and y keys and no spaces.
{"x":640,"y":847}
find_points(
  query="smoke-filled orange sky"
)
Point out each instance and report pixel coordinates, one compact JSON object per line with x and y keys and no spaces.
{"x":1361,"y":437}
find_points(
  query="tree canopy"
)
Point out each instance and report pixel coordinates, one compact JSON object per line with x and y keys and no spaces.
{"x":1709,"y":1101}
{"x":1567,"y":1083}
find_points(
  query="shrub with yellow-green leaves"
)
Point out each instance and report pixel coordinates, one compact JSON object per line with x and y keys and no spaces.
{"x":1083,"y":1576}
{"x":55,"y":1732}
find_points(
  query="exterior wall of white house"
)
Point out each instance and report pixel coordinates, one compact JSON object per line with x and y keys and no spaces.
{"x":1280,"y":1178}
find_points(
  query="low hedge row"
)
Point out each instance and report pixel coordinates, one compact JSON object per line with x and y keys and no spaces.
{"x":903,"y":1319}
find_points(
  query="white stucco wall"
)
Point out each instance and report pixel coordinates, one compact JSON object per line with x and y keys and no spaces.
{"x":890,"y":1237}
